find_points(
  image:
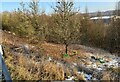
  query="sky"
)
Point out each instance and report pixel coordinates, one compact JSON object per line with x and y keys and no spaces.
{"x":92,"y":5}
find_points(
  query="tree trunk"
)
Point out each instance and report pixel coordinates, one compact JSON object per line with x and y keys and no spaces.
{"x":66,"y":47}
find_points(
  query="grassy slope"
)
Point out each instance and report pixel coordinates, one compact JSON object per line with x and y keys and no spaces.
{"x":23,"y":68}
{"x":28,"y":69}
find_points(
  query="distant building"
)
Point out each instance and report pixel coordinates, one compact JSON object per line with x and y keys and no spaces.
{"x":105,"y":19}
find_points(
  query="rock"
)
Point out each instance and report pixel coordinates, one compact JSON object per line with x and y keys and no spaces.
{"x":9,"y":32}
{"x":26,"y":49}
{"x":13,"y":33}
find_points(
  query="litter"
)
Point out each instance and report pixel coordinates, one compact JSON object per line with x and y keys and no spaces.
{"x":49,"y":59}
{"x":88,"y":76}
{"x":100,"y":69}
{"x":101,"y":60}
{"x":70,"y":78}
{"x":79,"y":72}
{"x":66,"y":55}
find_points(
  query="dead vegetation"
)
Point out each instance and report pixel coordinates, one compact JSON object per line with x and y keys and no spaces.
{"x":27,"y":69}
{"x":36,"y":65}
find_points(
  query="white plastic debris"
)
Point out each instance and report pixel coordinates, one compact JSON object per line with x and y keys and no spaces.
{"x":100,"y":69}
{"x":70,"y":78}
{"x":79,"y":72}
{"x":49,"y":59}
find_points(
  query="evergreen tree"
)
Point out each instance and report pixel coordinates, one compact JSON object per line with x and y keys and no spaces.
{"x":66,"y":27}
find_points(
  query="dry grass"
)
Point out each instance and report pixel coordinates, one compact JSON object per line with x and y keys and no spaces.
{"x":111,"y":75}
{"x":51,"y":71}
{"x":106,"y":76}
{"x":27,"y":69}
{"x":22,"y":68}
{"x":49,"y":49}
{"x":57,"y":51}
